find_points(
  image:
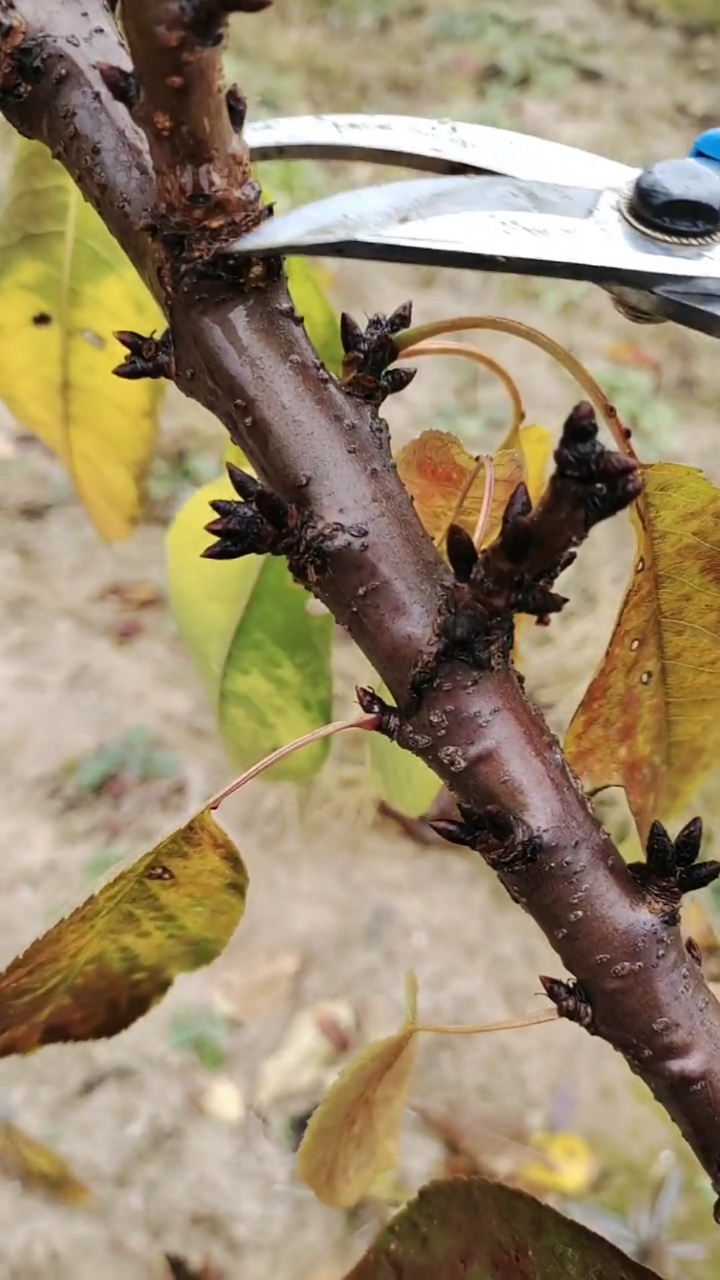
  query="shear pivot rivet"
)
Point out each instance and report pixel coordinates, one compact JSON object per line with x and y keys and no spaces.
{"x":678,"y":198}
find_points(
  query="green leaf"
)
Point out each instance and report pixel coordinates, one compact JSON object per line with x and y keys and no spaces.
{"x":403,"y":781}
{"x":64,"y":286}
{"x":474,"y":1229}
{"x":264,"y":659}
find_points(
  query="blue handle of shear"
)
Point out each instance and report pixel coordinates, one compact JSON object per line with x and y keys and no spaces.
{"x":706,"y":148}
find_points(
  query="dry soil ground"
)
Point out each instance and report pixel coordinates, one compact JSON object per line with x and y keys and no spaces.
{"x":330,"y":883}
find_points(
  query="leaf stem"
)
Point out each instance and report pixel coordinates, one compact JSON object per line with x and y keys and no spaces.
{"x":412,"y":338}
{"x":483,"y":520}
{"x":471,"y":353}
{"x":508,"y":1024}
{"x":481,"y":464}
{"x":325,"y":731}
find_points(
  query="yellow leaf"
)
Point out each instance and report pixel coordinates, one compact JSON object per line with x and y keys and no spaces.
{"x":568,"y":1167}
{"x":389,"y":1190}
{"x":354,"y":1135}
{"x":106,"y":964}
{"x":436,"y":469}
{"x":536,"y":447}
{"x":650,"y":720}
{"x":65,"y":285}
{"x":264,"y":659}
{"x":25,"y":1160}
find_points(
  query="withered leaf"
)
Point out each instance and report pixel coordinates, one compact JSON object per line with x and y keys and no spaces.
{"x":315,"y":1040}
{"x":650,"y":720}
{"x":106,"y":964}
{"x":436,"y":469}
{"x":473,"y":1227}
{"x":354,"y":1134}
{"x":37,"y":1167}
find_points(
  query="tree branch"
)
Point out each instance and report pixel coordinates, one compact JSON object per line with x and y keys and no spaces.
{"x":199,"y":157}
{"x":240,"y":350}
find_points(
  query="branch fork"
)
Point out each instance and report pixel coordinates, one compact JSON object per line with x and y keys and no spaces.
{"x":516,"y":574}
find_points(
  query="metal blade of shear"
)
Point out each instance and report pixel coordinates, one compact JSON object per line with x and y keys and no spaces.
{"x":436,"y":146}
{"x":485,"y":224}
{"x":364,"y":211}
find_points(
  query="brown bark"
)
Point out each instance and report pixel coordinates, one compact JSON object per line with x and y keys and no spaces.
{"x":201,"y":163}
{"x":241,"y":351}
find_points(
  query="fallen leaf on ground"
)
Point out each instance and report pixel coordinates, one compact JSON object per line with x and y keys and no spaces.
{"x":106,"y":964}
{"x":475,"y":1227}
{"x":650,"y":720}
{"x":633,"y":357}
{"x":128,"y":761}
{"x":132,"y":595}
{"x":354,"y":1135}
{"x":127,"y":630}
{"x":222,"y":1099}
{"x":265,"y":979}
{"x":202,"y":1030}
{"x":179,"y":1268}
{"x":460,"y":1158}
{"x":317,"y":1038}
{"x":26,"y":1160}
{"x":568,"y":1165}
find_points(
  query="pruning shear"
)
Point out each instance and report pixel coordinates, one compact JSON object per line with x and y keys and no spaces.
{"x":511,"y":203}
